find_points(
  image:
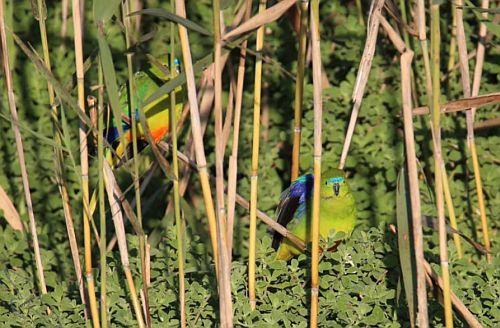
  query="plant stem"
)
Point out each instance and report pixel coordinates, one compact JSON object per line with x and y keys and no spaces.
{"x":20,"y":150}
{"x":299,"y":89}
{"x":318,"y":110}
{"x":438,"y":175}
{"x":77,"y":28}
{"x":255,"y":160}
{"x":59,"y":162}
{"x":102,"y":210}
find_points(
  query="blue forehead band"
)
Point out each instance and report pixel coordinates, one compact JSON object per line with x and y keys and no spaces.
{"x":177,"y":61}
{"x":336,"y":180}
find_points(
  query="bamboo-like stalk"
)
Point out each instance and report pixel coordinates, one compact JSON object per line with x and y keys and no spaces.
{"x":196,"y":131}
{"x":411,"y":162}
{"x":175,"y":171}
{"x":114,"y":203}
{"x":299,"y":89}
{"x":255,"y":160}
{"x":470,"y":130}
{"x":225,"y":305}
{"x":421,"y":24}
{"x":135,"y":175}
{"x":438,"y":175}
{"x":462,"y":104}
{"x":78,"y":44}
{"x":318,"y":111}
{"x":20,"y":151}
{"x":102,"y":210}
{"x":233,"y":159}
{"x":452,"y":49}
{"x":451,"y":210}
{"x":59,"y":162}
{"x":363,"y":73}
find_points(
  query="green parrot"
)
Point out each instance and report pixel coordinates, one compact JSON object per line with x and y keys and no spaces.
{"x":157,"y":113}
{"x":337,"y":210}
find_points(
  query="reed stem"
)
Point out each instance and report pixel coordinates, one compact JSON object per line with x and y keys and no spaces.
{"x":318,"y":110}
{"x":233,"y":159}
{"x":59,"y":162}
{"x":438,"y":175}
{"x":78,"y":44}
{"x":20,"y":151}
{"x":255,"y":160}
{"x":299,"y":89}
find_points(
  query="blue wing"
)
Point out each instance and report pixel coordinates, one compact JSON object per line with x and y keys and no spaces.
{"x":293,"y":203}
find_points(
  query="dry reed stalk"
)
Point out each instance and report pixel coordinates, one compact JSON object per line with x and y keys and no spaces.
{"x":263,"y":17}
{"x":179,"y":223}
{"x":114,"y":203}
{"x":438,"y":175}
{"x":127,"y":22}
{"x":457,"y":303}
{"x":476,"y":83}
{"x":224,"y":277}
{"x":59,"y":162}
{"x":420,"y":17}
{"x":78,"y":44}
{"x":478,"y":69}
{"x":255,"y":155}
{"x":452,"y":48}
{"x":196,"y":132}
{"x":451,"y":210}
{"x":20,"y":151}
{"x":462,"y":104}
{"x":233,"y":159}
{"x":486,"y":124}
{"x":469,"y":114}
{"x":102,"y":209}
{"x":411,"y":161}
{"x":9,"y":212}
{"x":318,"y":112}
{"x":363,"y":73}
{"x":299,"y":89}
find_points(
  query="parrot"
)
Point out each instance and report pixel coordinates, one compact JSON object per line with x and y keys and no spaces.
{"x":157,"y":113}
{"x":337,"y":210}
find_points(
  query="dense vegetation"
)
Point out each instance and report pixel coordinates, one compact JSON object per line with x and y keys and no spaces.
{"x":359,"y":283}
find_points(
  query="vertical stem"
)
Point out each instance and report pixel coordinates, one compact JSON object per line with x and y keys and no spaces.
{"x":425,"y":51}
{"x":472,"y":145}
{"x":411,"y":162}
{"x":102,"y":210}
{"x":225,"y":306}
{"x":233,"y":159}
{"x":316,"y":61}
{"x":451,"y":210}
{"x":255,"y":160}
{"x":135,"y":175}
{"x":438,"y":175}
{"x":77,"y":27}
{"x":464,"y":70}
{"x":299,"y":89}
{"x":59,"y":162}
{"x":20,"y":150}
{"x":179,"y":222}
{"x":180,"y":10}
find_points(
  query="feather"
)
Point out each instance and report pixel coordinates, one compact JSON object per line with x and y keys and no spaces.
{"x":293,"y":203}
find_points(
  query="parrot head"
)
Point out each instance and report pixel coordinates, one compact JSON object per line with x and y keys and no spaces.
{"x":334,"y":184}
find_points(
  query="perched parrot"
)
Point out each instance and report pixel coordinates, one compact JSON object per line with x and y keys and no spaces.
{"x":337,"y":210}
{"x":157,"y":113}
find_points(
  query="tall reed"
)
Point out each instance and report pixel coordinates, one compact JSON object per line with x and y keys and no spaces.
{"x":255,"y":160}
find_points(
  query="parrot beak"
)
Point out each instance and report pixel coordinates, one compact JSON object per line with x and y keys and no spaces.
{"x":336,"y":188}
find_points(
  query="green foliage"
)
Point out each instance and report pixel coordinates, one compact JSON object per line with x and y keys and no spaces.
{"x":358,"y":282}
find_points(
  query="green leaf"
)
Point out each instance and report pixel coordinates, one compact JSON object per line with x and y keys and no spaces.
{"x":104,"y":10}
{"x":159,"y":12}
